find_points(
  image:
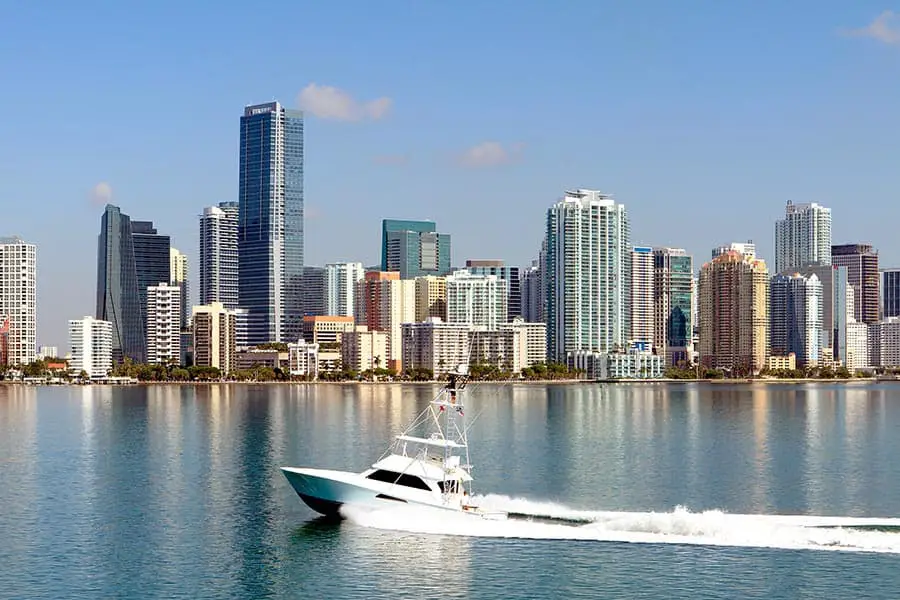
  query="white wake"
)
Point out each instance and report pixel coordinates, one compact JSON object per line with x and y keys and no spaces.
{"x":680,"y":526}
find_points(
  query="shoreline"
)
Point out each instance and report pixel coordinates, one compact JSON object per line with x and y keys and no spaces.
{"x":526,"y":382}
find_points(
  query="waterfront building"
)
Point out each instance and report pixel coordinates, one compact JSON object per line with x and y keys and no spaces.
{"x":643,"y":322}
{"x":634,"y":364}
{"x":803,"y":237}
{"x":510,"y":275}
{"x":795,"y":317}
{"x":364,"y":350}
{"x":431,"y":297}
{"x":857,"y":346}
{"x":313,"y":291}
{"x":884,"y":343}
{"x":747,"y":248}
{"x":270,"y":222}
{"x":781,"y":363}
{"x":734,"y":290}
{"x":674,"y":305}
{"x":178,"y":269}
{"x":386,"y":302}
{"x":327,"y":332}
{"x":835,"y":310}
{"x":435,"y":345}
{"x":341,"y":280}
{"x":478,"y":300}
{"x":414,"y":248}
{"x":118,"y":300}
{"x":214,"y":337}
{"x":587,"y":274}
{"x":18,"y":301}
{"x":163,"y":324}
{"x":248,"y":359}
{"x":890,"y":293}
{"x":152,"y":259}
{"x":512,"y":347}
{"x":861,"y":261}
{"x":219,"y":255}
{"x":532,"y":294}
{"x":303,"y":359}
{"x":90,"y":347}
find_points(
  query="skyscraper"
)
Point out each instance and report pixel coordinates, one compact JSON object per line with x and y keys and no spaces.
{"x":312,"y":292}
{"x":532,"y":294}
{"x":219,"y":255}
{"x":18,"y":303}
{"x":734,"y":291}
{"x":588,"y":274}
{"x":341,"y":280}
{"x":270,"y":225}
{"x":643,"y":325}
{"x":747,"y":248}
{"x":890,"y":293}
{"x":118,"y":300}
{"x":508,"y":274}
{"x":836,"y":311}
{"x":414,"y":248}
{"x":673,"y":300}
{"x":152,"y":259}
{"x":803,"y":237}
{"x":861,"y":261}
{"x":384,"y":302}
{"x":795,"y":317}
{"x":178,"y":269}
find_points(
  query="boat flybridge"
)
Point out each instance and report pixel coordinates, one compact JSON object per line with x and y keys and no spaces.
{"x":430,"y":469}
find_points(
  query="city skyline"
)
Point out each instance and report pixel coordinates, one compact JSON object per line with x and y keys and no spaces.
{"x":387,"y":147}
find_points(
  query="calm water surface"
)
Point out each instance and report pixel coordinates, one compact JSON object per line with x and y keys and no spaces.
{"x":174,"y":492}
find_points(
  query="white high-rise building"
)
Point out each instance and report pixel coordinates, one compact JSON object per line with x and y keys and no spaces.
{"x":477,"y":300}
{"x":643,"y":322}
{"x":178,"y":267}
{"x":795,"y":317}
{"x":163,"y":324}
{"x":341,"y":281}
{"x":802,"y":237}
{"x":18,"y":305}
{"x":587,"y":274}
{"x":219,"y":255}
{"x":90,"y":346}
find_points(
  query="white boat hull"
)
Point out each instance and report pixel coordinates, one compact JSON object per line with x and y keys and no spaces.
{"x":326,"y":491}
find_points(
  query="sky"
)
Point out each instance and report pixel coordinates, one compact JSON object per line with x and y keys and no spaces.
{"x":703,"y":117}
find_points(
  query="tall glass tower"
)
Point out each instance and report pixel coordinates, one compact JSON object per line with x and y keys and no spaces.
{"x":118,"y":300}
{"x":270,"y":223}
{"x":414,"y":248}
{"x":219,"y":255}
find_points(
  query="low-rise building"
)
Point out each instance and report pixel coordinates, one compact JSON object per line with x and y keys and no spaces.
{"x":617,"y":365}
{"x":781,"y":362}
{"x":303,"y":359}
{"x":512,"y":347}
{"x":327,"y":331}
{"x":251,"y":358}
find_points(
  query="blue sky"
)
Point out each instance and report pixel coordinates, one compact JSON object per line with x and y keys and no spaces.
{"x":703,"y":117}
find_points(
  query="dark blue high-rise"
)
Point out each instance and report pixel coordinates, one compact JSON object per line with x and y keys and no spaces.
{"x":270,"y":222}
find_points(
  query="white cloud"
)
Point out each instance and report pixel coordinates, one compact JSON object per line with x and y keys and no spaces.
{"x":328,"y":102}
{"x":101,"y":194}
{"x":885,"y":28}
{"x":490,"y":154}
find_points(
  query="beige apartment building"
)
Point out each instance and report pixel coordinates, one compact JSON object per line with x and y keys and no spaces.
{"x":734,"y":313}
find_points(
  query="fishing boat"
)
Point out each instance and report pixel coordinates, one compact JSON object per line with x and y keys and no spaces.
{"x":426,"y":465}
